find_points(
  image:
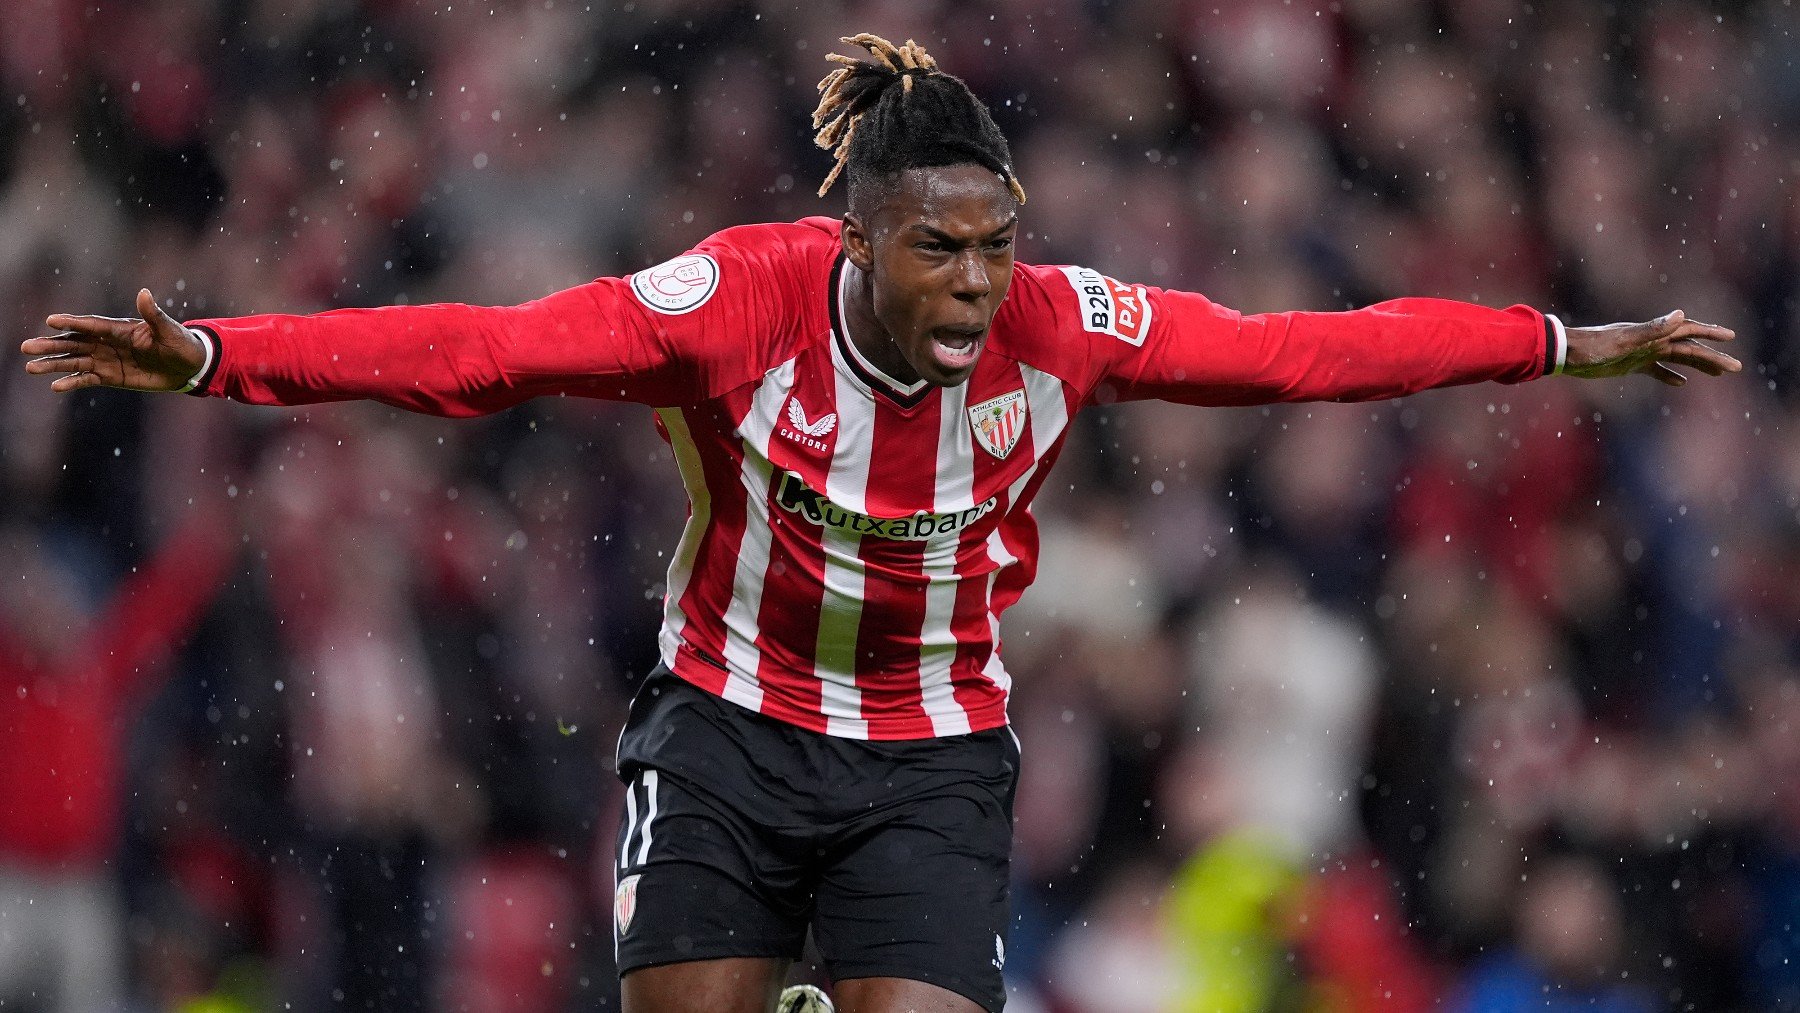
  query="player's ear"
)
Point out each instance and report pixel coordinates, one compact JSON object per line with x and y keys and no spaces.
{"x":857,"y":246}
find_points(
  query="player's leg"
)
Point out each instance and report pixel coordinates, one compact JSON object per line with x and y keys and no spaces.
{"x":912,"y":906}
{"x":703,"y":918}
{"x":899,"y":995}
{"x":711,"y":898}
{"x":730,"y":985}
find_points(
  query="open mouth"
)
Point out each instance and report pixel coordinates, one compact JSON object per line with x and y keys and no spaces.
{"x":957,"y":348}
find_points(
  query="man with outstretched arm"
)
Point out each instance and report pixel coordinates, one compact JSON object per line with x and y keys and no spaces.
{"x":861,"y":410}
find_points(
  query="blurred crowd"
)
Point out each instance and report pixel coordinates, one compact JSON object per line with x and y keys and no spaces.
{"x":1484,"y":700}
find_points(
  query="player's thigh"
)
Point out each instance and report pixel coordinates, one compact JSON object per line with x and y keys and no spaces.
{"x":731,"y":985}
{"x":923,"y":897}
{"x":898,"y":995}
{"x":696,"y":882}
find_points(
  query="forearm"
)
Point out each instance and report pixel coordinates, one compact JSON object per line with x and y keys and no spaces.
{"x":433,"y":359}
{"x":1391,"y":349}
{"x":444,"y":359}
{"x":1400,"y":347}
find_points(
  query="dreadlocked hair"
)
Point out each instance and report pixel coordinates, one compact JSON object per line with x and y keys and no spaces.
{"x":875,"y":129}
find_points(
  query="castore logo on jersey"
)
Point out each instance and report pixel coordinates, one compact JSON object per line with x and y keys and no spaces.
{"x":807,"y":434}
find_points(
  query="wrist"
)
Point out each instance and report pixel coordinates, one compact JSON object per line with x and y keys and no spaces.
{"x":208,"y":354}
{"x":1556,"y":350}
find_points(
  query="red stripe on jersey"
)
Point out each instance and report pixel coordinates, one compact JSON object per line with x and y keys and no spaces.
{"x":980,"y":698}
{"x":903,"y":463}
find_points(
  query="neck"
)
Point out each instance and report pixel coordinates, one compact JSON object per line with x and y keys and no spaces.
{"x":864,"y":328}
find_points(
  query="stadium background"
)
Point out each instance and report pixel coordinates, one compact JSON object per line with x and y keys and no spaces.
{"x":1431,"y":703}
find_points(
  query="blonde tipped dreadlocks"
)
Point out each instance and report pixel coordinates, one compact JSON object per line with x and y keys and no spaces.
{"x":875,"y":130}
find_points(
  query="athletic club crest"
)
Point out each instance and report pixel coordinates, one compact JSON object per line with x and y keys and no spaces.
{"x":998,"y":422}
{"x":625,"y":903}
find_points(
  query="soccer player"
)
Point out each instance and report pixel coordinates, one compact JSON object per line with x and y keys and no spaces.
{"x":861,"y":410}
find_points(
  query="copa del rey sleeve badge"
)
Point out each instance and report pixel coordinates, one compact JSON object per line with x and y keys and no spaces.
{"x":998,"y":422}
{"x":677,"y":286}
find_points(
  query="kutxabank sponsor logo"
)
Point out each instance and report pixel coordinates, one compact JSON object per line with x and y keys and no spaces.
{"x":796,"y":497}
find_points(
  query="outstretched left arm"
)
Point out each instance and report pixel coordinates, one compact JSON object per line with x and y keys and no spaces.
{"x":1192,"y":350}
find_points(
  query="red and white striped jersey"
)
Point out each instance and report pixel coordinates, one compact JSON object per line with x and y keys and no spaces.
{"x":852,"y":541}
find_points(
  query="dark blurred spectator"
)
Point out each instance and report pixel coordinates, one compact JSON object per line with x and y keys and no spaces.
{"x":1568,"y":953}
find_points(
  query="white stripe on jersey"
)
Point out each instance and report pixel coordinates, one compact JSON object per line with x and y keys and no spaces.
{"x":741,"y":653}
{"x":937,"y":637}
{"x":840,"y":612}
{"x":681,"y":568}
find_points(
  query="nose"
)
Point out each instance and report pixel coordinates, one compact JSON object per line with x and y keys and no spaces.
{"x":970,"y":281}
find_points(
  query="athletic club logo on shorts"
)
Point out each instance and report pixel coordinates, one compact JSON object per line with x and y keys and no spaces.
{"x":998,"y":422}
{"x":625,"y":902}
{"x":678,"y":286}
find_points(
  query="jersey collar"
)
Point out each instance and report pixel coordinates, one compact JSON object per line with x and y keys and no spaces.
{"x":867,"y":375}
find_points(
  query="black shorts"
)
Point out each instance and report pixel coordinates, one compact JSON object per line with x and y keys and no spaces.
{"x":741,"y":831}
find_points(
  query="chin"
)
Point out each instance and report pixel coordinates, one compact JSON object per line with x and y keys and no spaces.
{"x":938,"y":376}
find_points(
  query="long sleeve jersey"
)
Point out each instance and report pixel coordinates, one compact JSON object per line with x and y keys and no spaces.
{"x":852,"y":540}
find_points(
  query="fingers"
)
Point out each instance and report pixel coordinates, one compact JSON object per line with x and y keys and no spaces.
{"x":152,"y":311}
{"x":76,"y":381}
{"x":1709,"y":360}
{"x":1675,"y":324}
{"x":67,"y":363}
{"x":112,"y":330}
{"x":1696,"y":329}
{"x":60,"y":344}
{"x":1678,"y":340}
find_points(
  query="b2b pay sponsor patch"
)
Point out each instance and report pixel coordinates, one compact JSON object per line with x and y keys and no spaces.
{"x":677,"y":286}
{"x":1111,"y":307}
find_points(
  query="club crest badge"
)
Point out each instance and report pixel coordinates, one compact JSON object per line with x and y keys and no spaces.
{"x":999,"y":422}
{"x":625,"y":903}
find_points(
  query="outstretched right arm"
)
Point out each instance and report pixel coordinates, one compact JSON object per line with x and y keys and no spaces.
{"x":651,"y":338}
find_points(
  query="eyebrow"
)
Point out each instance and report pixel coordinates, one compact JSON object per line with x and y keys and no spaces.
{"x":950,"y":240}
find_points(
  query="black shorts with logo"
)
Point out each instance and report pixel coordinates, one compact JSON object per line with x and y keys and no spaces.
{"x":741,"y":831}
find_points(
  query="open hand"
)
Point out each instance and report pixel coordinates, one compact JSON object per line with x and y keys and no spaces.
{"x":151,"y":353}
{"x":1654,"y":347}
